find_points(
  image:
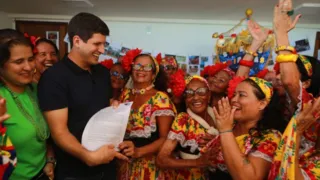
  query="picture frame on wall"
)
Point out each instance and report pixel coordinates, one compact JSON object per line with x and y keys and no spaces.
{"x":53,"y":36}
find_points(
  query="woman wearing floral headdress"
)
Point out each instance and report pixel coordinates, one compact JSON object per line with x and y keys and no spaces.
{"x":150,"y":117}
{"x":297,"y":156}
{"x":218,"y":77}
{"x":118,"y":77}
{"x":186,"y":131}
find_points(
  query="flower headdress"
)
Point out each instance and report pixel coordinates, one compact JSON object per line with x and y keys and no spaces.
{"x":127,"y":60}
{"x":172,"y":61}
{"x":177,"y":83}
{"x":33,"y":40}
{"x":108,"y":63}
{"x":214,"y":69}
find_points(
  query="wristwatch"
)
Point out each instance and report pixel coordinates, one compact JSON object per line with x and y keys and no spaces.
{"x":51,"y":160}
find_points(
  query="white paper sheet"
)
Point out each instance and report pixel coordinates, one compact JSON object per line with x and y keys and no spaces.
{"x":108,"y":126}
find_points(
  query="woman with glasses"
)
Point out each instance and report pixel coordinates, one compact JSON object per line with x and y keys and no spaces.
{"x":168,"y":64}
{"x":118,"y":77}
{"x":150,"y":117}
{"x":187,"y":128}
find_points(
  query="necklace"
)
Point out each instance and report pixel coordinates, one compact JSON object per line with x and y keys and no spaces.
{"x":142,"y":91}
{"x":202,"y":122}
{"x":37,"y":121}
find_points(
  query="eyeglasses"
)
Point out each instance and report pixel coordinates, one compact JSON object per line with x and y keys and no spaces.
{"x":117,"y":74}
{"x":140,"y":67}
{"x":167,"y":67}
{"x":189,"y":93}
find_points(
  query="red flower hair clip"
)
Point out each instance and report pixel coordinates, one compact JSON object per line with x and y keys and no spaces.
{"x":233,"y":83}
{"x":108,"y":63}
{"x":128,"y":58}
{"x":177,"y":83}
{"x":159,"y":58}
{"x":33,"y":40}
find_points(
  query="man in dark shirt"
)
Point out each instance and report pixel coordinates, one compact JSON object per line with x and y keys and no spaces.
{"x":70,"y":93}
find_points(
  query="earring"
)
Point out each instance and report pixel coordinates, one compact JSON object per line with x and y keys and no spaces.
{"x":35,"y":70}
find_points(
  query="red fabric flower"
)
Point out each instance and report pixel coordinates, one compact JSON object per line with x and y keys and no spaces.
{"x":262,"y":73}
{"x":33,"y":40}
{"x":159,"y":58}
{"x":177,"y":83}
{"x":108,"y":63}
{"x":128,"y":58}
{"x":214,"y":69}
{"x":233,"y":83}
{"x":268,"y":148}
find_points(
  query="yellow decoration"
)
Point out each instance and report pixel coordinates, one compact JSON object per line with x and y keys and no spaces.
{"x":262,"y":60}
{"x":285,"y":48}
{"x":215,"y":35}
{"x":249,"y":12}
{"x":286,"y":58}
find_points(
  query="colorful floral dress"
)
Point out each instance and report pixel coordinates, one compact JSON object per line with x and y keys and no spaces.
{"x":283,"y":166}
{"x":8,"y":157}
{"x":142,"y":130}
{"x":261,"y":146}
{"x":188,"y":132}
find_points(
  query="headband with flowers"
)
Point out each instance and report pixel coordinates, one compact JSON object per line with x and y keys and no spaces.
{"x":305,"y":61}
{"x":127,"y":60}
{"x":214,"y":69}
{"x":307,"y":64}
{"x":190,"y":78}
{"x":265,"y":86}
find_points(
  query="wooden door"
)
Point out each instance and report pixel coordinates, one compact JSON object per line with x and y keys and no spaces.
{"x":317,"y":46}
{"x":51,"y":30}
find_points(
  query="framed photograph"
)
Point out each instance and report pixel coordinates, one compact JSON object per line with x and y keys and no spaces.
{"x":124,"y":50}
{"x":170,"y":56}
{"x":302,"y":45}
{"x":183,"y":67}
{"x":181,"y":59}
{"x":194,"y":60}
{"x":193,"y":69}
{"x":204,"y":61}
{"x":54,"y":37}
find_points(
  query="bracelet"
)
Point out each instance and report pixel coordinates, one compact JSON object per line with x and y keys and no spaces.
{"x":254,"y":54}
{"x":286,"y":48}
{"x":286,"y":58}
{"x":221,"y":132}
{"x":247,"y":63}
{"x":51,"y":160}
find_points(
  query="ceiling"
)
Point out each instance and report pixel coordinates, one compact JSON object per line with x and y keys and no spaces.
{"x":163,"y":9}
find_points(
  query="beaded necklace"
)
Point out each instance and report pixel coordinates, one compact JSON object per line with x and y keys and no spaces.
{"x":38,"y":121}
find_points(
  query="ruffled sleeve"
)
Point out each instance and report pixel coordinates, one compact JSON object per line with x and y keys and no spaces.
{"x":267,"y":147}
{"x":186,"y":132}
{"x":163,"y":106}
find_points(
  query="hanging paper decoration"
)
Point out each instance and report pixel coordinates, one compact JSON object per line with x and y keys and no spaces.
{"x":230,"y":47}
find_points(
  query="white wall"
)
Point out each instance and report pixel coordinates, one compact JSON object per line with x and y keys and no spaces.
{"x":5,"y":21}
{"x":175,"y":36}
{"x":184,"y":39}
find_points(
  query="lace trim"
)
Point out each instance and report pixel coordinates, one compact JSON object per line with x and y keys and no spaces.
{"x":165,"y":112}
{"x":300,"y":104}
{"x":305,"y":175}
{"x":183,"y":142}
{"x":260,"y":154}
{"x":147,"y":130}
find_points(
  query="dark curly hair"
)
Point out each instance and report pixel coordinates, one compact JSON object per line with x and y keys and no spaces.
{"x":272,"y":117}
{"x":161,"y":79}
